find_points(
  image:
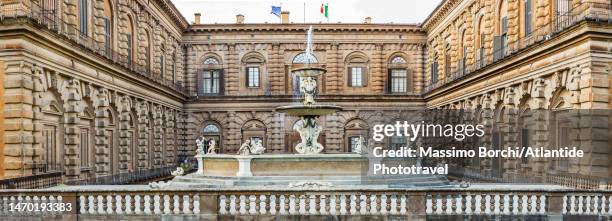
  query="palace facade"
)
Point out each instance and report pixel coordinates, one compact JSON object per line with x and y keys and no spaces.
{"x":101,"y":87}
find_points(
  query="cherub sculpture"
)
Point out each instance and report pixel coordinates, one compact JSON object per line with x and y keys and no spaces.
{"x":245,"y":148}
{"x":308,"y":87}
{"x":256,"y":147}
{"x":212,"y":149}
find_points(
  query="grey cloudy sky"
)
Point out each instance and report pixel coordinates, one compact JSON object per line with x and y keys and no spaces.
{"x":345,"y":11}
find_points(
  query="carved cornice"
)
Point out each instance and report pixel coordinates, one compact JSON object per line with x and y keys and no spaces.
{"x":175,"y":15}
{"x":443,"y":9}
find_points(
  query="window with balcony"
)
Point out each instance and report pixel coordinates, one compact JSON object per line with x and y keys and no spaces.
{"x":162,"y":65}
{"x":500,"y":42}
{"x":130,"y":40}
{"x":107,"y":26}
{"x":434,"y":70}
{"x":174,"y":69}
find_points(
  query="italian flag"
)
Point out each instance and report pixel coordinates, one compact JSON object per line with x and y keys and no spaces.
{"x":325,"y":10}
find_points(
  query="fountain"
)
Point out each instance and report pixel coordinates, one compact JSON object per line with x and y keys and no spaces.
{"x":250,"y":167}
{"x":308,"y":111}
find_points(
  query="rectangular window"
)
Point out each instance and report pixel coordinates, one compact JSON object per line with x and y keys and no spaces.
{"x":210,"y":82}
{"x":162,"y":64}
{"x":84,"y":147}
{"x":107,"y":35}
{"x":447,"y":63}
{"x":252,"y":76}
{"x":83,"y":17}
{"x":434,"y":72}
{"x":525,"y":142}
{"x":129,"y":48}
{"x":50,"y":146}
{"x":528,"y":17}
{"x":356,"y":77}
{"x":174,"y":71}
{"x":504,"y":36}
{"x":563,"y":140}
{"x":481,"y":51}
{"x":399,"y":80}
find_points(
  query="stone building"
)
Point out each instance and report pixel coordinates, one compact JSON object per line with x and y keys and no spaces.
{"x":105,"y":87}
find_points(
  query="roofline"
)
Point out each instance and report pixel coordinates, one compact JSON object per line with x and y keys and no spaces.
{"x":304,"y":27}
{"x":176,"y":16}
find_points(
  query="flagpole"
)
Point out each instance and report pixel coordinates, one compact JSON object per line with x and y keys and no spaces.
{"x":304,"y":12}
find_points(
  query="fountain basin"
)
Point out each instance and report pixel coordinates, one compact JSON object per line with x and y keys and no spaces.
{"x":308,"y":110}
{"x":309,"y":71}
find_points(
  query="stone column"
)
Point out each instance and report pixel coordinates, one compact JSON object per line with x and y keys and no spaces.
{"x":102,"y":149}
{"x":72,"y":104}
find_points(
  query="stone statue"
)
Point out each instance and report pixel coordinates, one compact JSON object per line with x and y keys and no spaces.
{"x":257,"y":148}
{"x":200,"y":145}
{"x":359,"y":146}
{"x":178,"y":172}
{"x":308,"y":86}
{"x":309,"y":131}
{"x":245,"y":148}
{"x":212,"y":149}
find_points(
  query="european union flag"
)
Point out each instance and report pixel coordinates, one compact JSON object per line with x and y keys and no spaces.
{"x":276,"y":10}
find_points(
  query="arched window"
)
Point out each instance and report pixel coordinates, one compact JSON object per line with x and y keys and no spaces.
{"x":447,"y":60}
{"x":108,"y":26}
{"x":500,"y":42}
{"x":130,"y":40}
{"x":162,"y":64}
{"x":253,"y":66}
{"x":83,"y":17}
{"x":464,"y":46}
{"x":255,"y":131}
{"x":211,"y":131}
{"x":210,"y":79}
{"x":481,"y":43}
{"x":355,"y":131}
{"x":147,"y":50}
{"x":174,"y":68}
{"x":398,"y":79}
{"x":357,"y":70}
{"x":303,"y":58}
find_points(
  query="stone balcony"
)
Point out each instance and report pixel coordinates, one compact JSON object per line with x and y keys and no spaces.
{"x":479,"y":200}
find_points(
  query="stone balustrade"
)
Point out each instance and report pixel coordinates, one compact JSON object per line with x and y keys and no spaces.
{"x":90,"y":202}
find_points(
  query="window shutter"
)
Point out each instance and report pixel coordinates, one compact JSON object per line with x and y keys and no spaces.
{"x":246,"y":77}
{"x":349,"y":76}
{"x":497,"y":44}
{"x":221,"y":82}
{"x":408,"y":81}
{"x":200,"y":86}
{"x":504,"y":25}
{"x":388,"y":81}
{"x":364,"y":76}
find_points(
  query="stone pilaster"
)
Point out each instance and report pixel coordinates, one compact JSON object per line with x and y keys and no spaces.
{"x":156,"y":52}
{"x":232,"y":132}
{"x":378,"y":75}
{"x":469,"y":37}
{"x":171,"y":150}
{"x":486,"y":140}
{"x":489,"y":28}
{"x":333,"y":78}
{"x":18,"y":115}
{"x":158,"y":131}
{"x":98,"y":21}
{"x":418,"y":76}
{"x":510,"y":134}
{"x":513,"y":24}
{"x":72,"y":107}
{"x":125,"y":139}
{"x":40,"y":86}
{"x":102,"y":149}
{"x":333,"y":136}
{"x":232,"y":79}
{"x":143,"y":136}
{"x":69,"y":16}
{"x":542,"y":18}
{"x":540,"y":117}
{"x":277,"y":136}
{"x":277,"y":72}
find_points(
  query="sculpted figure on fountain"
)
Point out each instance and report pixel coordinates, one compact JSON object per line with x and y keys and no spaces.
{"x":308,"y":86}
{"x":245,"y":148}
{"x":212,"y":148}
{"x":257,"y":147}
